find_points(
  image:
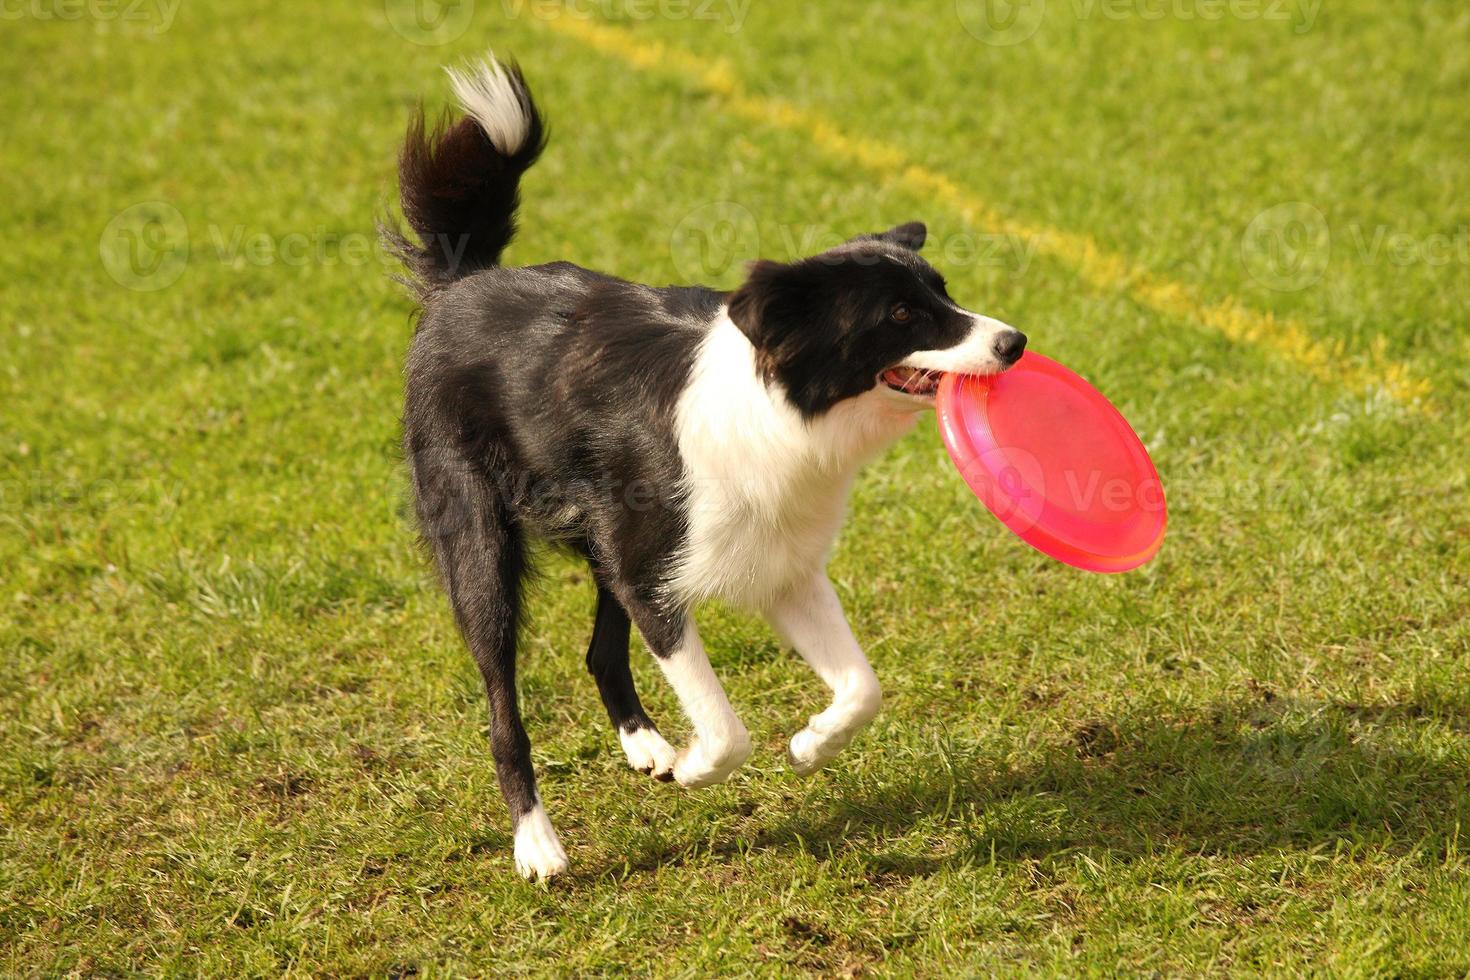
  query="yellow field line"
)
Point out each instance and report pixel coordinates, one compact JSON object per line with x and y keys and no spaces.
{"x":1326,"y":360}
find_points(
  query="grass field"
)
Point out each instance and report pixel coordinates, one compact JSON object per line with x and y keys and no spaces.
{"x":239,"y":735}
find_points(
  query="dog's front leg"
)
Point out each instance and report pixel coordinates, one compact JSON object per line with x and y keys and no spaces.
{"x":721,"y":743}
{"x":810,"y":618}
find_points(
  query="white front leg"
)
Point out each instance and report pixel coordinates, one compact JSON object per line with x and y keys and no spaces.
{"x":810,"y":619}
{"x":721,"y":743}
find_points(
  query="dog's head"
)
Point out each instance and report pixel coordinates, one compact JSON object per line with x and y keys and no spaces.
{"x":868,"y":316}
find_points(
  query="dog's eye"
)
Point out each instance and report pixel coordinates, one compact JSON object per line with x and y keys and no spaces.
{"x":901,"y":313}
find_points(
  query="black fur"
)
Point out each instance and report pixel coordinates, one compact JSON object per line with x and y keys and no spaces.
{"x":607,"y":660}
{"x":460,"y":194}
{"x":542,"y":399}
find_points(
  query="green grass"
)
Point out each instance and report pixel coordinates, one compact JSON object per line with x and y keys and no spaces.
{"x":239,"y":735}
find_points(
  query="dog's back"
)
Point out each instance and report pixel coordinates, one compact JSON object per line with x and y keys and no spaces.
{"x":557,"y":382}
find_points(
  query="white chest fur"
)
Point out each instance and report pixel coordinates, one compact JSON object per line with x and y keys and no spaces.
{"x":767,"y":489}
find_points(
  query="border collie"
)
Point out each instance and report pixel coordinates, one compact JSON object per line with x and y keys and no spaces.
{"x":688,"y":443}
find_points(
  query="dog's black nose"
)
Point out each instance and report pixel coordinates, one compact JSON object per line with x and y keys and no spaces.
{"x":1009,"y":345}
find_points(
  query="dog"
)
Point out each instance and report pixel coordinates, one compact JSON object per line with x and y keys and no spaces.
{"x":687,"y":443}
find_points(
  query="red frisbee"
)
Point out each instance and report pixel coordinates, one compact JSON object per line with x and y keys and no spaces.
{"x":1056,"y":462}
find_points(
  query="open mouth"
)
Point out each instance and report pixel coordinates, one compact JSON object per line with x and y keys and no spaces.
{"x":912,"y":381}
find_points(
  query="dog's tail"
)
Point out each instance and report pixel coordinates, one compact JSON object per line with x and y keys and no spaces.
{"x":459,"y":182}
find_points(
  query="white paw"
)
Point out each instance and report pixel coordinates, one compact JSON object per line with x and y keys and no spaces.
{"x":809,"y":751}
{"x":538,"y":853}
{"x":701,"y":765}
{"x":649,"y":753}
{"x":828,"y":733}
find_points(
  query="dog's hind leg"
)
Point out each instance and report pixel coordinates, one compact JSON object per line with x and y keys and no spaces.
{"x":481,"y":553}
{"x":810,"y":618}
{"x":607,"y":659}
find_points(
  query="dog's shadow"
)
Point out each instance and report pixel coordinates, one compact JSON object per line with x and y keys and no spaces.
{"x":1236,"y":778}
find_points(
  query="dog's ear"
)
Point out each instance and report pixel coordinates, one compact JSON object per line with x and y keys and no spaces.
{"x":781,"y":307}
{"x":768,"y":305}
{"x":910,"y":235}
{"x":789,"y":314}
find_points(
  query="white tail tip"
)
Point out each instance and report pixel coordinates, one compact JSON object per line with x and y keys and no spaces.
{"x":493,"y":98}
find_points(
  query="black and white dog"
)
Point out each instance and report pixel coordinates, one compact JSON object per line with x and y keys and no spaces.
{"x":687,"y":443}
